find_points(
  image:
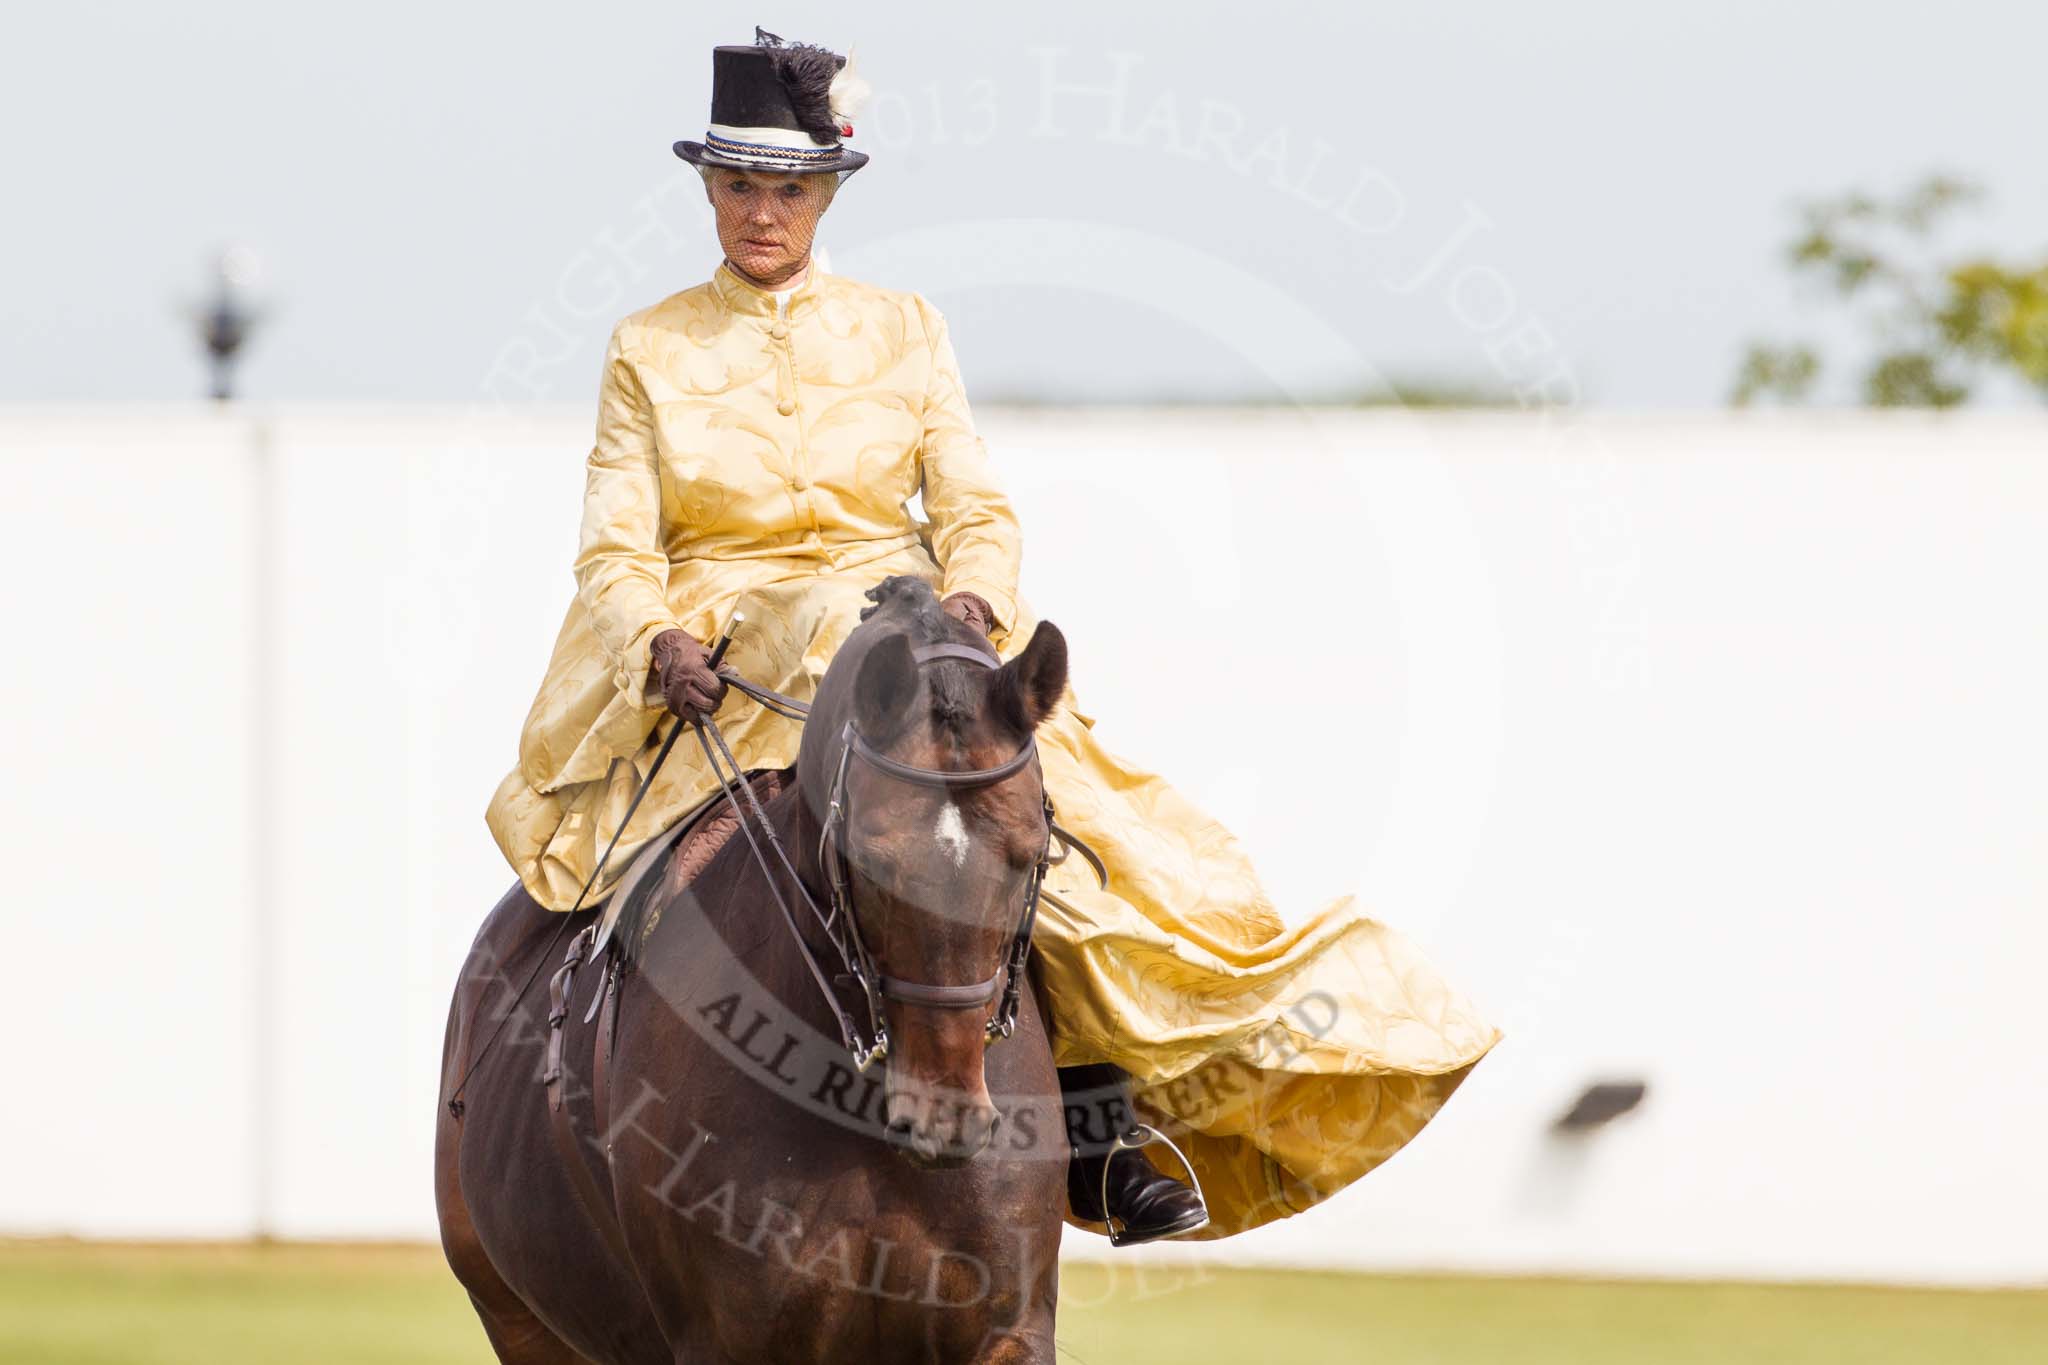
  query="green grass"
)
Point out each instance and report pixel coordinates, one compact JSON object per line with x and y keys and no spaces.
{"x":95,"y":1304}
{"x":1247,"y":1316}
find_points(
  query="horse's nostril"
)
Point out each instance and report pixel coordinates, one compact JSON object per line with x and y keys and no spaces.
{"x":899,"y":1119}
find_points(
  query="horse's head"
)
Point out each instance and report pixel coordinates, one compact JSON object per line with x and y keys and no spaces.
{"x":919,"y":765}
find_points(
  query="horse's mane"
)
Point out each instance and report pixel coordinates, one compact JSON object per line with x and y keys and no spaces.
{"x":911,"y":601}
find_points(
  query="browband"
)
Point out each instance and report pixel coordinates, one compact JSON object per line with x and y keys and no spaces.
{"x":926,"y":653}
{"x":939,"y":777}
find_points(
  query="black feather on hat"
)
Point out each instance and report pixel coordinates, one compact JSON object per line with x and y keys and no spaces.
{"x":780,"y":106}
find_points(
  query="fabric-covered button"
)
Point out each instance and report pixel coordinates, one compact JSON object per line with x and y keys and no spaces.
{"x":779,"y":330}
{"x":786,"y":406}
{"x":799,"y":483}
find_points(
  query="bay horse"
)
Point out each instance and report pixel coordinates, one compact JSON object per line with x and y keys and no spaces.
{"x":751,"y":1192}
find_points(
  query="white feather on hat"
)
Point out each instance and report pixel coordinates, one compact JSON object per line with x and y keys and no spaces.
{"x":848,"y":93}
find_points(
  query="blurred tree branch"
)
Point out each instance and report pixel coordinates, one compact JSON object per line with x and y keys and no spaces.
{"x":1939,"y":328}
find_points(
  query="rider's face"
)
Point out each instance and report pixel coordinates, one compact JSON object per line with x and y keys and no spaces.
{"x":766,"y":220}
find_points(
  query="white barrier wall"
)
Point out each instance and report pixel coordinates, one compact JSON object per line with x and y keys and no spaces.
{"x":1703,"y":751}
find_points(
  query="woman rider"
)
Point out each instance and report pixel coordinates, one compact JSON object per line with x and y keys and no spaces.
{"x":759,"y":439}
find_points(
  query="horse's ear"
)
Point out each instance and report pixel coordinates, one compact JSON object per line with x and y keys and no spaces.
{"x":885,"y":687}
{"x":1029,"y":686}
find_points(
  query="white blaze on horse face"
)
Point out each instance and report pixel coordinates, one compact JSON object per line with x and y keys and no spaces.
{"x":951,"y":832}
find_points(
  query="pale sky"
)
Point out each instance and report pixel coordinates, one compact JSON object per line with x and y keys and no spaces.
{"x":1127,"y":202}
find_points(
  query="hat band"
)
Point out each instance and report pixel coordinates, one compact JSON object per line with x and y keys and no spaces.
{"x":769,"y":146}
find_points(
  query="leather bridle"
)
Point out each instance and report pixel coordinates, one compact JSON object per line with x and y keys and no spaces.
{"x":838,"y":919}
{"x":875,"y":984}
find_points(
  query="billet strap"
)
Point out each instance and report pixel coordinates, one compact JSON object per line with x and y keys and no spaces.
{"x":601,"y":1051}
{"x":594,"y":1198}
{"x":561,"y":987}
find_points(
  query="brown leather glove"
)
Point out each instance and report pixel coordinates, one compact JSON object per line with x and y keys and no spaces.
{"x":972,"y":609}
{"x":683,"y":667}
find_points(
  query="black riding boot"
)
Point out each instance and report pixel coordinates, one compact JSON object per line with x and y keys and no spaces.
{"x":1146,"y":1205}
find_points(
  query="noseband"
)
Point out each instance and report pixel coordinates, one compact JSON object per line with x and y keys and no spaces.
{"x":875,"y":984}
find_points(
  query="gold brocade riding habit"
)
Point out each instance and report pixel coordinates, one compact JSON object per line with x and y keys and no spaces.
{"x":763,"y":459}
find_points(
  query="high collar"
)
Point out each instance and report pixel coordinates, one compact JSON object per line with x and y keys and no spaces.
{"x":744,"y":296}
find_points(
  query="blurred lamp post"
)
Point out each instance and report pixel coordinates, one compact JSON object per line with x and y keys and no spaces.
{"x":226,"y":321}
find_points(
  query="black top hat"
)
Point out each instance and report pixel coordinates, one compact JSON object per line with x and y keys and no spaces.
{"x":779,"y":106}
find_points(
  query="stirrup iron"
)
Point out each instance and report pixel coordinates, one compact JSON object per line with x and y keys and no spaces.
{"x":1137,"y":1136}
